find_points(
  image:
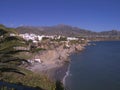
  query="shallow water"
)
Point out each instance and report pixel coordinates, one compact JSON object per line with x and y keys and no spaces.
{"x":96,"y":68}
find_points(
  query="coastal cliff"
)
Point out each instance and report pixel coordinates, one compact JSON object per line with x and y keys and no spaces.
{"x":54,"y":60}
{"x":59,"y":54}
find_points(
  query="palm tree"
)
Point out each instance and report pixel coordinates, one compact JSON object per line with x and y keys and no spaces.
{"x":9,"y":43}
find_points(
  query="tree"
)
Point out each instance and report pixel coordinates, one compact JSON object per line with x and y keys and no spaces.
{"x":9,"y":48}
{"x":59,"y":86}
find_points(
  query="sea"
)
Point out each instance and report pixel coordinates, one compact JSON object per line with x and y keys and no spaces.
{"x":95,"y":68}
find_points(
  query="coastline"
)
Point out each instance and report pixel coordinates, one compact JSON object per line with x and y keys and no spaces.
{"x":57,"y":73}
{"x":66,"y":75}
{"x":57,"y":62}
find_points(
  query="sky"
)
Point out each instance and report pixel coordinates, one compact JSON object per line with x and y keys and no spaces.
{"x":95,"y":15}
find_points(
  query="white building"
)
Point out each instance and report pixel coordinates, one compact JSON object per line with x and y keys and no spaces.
{"x":35,"y":38}
{"x":28,"y":36}
{"x":12,"y":34}
{"x":72,"y":38}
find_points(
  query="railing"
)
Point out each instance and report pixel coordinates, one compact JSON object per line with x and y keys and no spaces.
{"x":9,"y":86}
{"x":6,"y":88}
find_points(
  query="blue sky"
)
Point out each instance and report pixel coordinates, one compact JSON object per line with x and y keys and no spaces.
{"x":95,"y":15}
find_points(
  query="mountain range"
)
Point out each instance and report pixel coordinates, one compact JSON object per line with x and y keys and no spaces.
{"x":65,"y":30}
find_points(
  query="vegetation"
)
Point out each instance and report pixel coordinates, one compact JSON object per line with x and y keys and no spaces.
{"x":45,"y":38}
{"x":30,"y":79}
{"x":8,"y":50}
{"x":11,"y":49}
{"x":74,"y":42}
{"x":59,"y":86}
{"x":60,"y":39}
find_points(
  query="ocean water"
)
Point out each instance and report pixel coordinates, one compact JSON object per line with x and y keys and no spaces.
{"x":96,"y":68}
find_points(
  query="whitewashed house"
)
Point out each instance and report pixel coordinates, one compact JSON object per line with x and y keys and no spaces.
{"x":72,"y":38}
{"x":12,"y":34}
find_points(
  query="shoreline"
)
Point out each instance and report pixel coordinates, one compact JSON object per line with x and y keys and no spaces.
{"x":53,"y":72}
{"x":57,"y":63}
{"x":66,"y":75}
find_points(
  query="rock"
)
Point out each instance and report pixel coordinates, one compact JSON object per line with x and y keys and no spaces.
{"x":58,"y":54}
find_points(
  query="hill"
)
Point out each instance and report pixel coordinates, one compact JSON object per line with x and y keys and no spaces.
{"x":60,"y":29}
{"x":68,"y":30}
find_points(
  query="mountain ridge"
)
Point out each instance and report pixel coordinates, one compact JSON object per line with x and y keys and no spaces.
{"x":66,"y":30}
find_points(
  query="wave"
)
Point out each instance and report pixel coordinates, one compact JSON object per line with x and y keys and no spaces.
{"x":66,"y":75}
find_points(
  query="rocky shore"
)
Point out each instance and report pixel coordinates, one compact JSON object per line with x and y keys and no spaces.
{"x":54,"y":62}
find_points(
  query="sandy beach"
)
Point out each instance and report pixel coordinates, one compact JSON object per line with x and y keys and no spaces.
{"x":55,"y":62}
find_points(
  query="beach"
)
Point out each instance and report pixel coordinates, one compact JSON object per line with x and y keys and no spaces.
{"x":56,"y":62}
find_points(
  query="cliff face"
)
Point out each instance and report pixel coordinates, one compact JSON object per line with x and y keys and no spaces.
{"x":59,"y":54}
{"x":54,"y":60}
{"x":49,"y":56}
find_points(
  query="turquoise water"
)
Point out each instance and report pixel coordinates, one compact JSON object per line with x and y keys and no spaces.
{"x":96,"y":68}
